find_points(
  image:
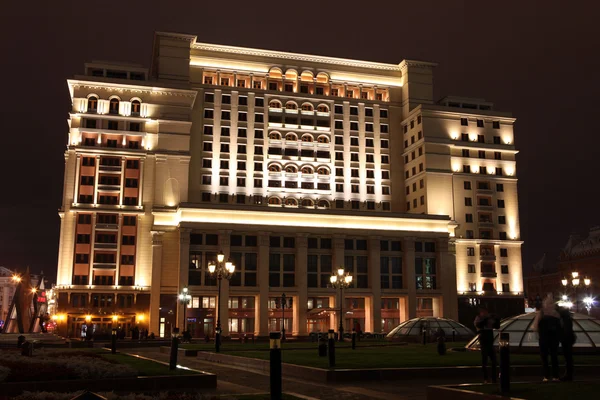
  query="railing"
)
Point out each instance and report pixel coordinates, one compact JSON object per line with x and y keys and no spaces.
{"x":111,"y":227}
{"x":491,"y":274}
{"x":105,"y":245}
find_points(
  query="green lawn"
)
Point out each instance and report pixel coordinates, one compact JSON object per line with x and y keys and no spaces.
{"x":412,"y":355}
{"x":145,"y":367}
{"x":237,"y":346}
{"x":543,"y":391}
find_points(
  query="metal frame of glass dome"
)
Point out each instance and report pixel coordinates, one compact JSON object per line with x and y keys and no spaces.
{"x":415,"y":329}
{"x":528,"y":341}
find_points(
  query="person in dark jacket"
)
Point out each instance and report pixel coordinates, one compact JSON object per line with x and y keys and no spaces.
{"x":485,"y":323}
{"x":547,"y":324}
{"x":567,"y":340}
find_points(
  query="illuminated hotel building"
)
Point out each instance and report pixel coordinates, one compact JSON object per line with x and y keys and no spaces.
{"x":291,"y":165}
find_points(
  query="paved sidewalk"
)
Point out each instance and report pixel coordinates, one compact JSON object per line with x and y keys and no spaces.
{"x":236,"y":380}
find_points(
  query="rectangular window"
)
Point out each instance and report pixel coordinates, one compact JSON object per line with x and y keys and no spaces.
{"x":471,"y":268}
{"x":480,"y":123}
{"x":468,"y":201}
{"x":464,"y":121}
{"x":470,"y":251}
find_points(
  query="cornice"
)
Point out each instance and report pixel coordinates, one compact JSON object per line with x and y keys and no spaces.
{"x":137,"y":89}
{"x":294,"y":56}
{"x":417,"y":64}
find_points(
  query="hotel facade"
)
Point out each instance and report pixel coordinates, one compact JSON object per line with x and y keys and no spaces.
{"x":291,"y":165}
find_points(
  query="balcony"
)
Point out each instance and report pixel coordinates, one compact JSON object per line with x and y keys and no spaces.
{"x":485,"y":206}
{"x":109,"y":188}
{"x":111,"y":246}
{"x":488,"y":257}
{"x":104,"y":265}
{"x":107,"y":227}
{"x":110,"y":168}
{"x":488,"y":274}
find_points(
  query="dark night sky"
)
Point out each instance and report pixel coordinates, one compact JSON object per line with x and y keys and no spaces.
{"x":534,"y":58}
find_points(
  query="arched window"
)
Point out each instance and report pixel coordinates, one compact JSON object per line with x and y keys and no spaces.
{"x":92,"y":105}
{"x":135,"y":107}
{"x":291,"y":136}
{"x":307,"y":169}
{"x":322,"y":108}
{"x":291,"y":169}
{"x":291,"y":202}
{"x":275,"y":136}
{"x":275,"y":73}
{"x":290,"y":105}
{"x":323,"y":139}
{"x":274,"y":104}
{"x":274,"y":201}
{"x":291,"y":74}
{"x":323,"y":171}
{"x":307,"y":76}
{"x":307,"y":107}
{"x":274,"y":168}
{"x":322,"y":77}
{"x":307,"y":203}
{"x":114,"y":106}
{"x":307,"y":138}
{"x":323,"y":204}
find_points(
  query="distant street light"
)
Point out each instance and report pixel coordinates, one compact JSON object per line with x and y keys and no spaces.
{"x":341,"y":281}
{"x":185,"y":298}
{"x":575,"y":284}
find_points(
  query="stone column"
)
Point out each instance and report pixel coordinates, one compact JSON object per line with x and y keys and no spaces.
{"x":184,"y":266}
{"x":300,"y":303}
{"x":262,"y":306}
{"x":154,"y":316}
{"x":409,"y":276}
{"x":374,"y":321}
{"x":446,"y":277}
{"x":225,"y":245}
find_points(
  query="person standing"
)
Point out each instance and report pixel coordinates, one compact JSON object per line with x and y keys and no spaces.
{"x":567,"y":340}
{"x":485,"y":325}
{"x":547,"y":324}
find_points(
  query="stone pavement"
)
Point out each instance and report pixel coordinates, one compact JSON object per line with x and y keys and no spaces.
{"x":236,"y":380}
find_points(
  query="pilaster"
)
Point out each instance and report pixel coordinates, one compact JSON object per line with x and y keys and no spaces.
{"x":155,"y":282}
{"x":262,"y":305}
{"x":446,"y":261}
{"x":373,"y":321}
{"x":300,"y":304}
{"x":409,"y":276}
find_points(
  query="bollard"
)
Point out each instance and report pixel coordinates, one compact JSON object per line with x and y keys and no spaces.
{"x":275,"y":365}
{"x":331,"y":349}
{"x":503,"y":344}
{"x":453,"y":335}
{"x":353,"y":339}
{"x":113,"y":342}
{"x":441,"y":347}
{"x":322,"y":346}
{"x":174,"y":345}
{"x":424,"y":336}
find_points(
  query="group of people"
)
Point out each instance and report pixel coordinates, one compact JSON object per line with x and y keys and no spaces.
{"x":554,"y":326}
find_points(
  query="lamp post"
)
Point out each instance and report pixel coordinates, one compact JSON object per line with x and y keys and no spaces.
{"x":221,"y":270}
{"x":283,"y":302}
{"x":185,"y":298}
{"x":575,"y":283}
{"x":341,"y":281}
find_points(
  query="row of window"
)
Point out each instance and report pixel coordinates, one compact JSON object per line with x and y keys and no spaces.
{"x":480,"y":123}
{"x":488,"y":287}
{"x":113,"y":105}
{"x":503,"y":268}
{"x":471,"y":252}
{"x":112,"y":125}
{"x":483,"y":186}
{"x":485,"y":218}
{"x":413,"y":155}
{"x":109,"y":180}
{"x":110,"y":161}
{"x":339,"y":109}
{"x":412,"y":139}
{"x":465,"y":137}
{"x":412,"y":124}
{"x":498,"y":171}
{"x":276,"y":82}
{"x":369,"y":127}
{"x":413,"y":170}
{"x":225,"y":198}
{"x":107,"y":200}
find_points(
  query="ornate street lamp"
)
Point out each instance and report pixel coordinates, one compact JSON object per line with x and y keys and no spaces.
{"x":575,"y":283}
{"x":341,"y":281}
{"x":185,"y":298}
{"x":221,"y":270}
{"x":283,"y":302}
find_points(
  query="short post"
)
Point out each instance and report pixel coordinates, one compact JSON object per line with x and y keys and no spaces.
{"x":322,"y":346}
{"x":453,"y":335}
{"x":275,"y":365}
{"x":174,"y":346}
{"x":331,"y":336}
{"x":353,"y":339}
{"x":504,"y":346}
{"x":424,"y":336}
{"x":113,"y":341}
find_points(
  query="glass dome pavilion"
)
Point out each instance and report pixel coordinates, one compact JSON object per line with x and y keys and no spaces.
{"x":522,"y":337}
{"x":412,"y":329}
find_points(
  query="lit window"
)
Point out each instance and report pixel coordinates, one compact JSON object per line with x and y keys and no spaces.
{"x":135,"y":107}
